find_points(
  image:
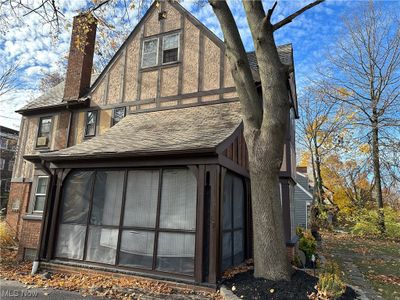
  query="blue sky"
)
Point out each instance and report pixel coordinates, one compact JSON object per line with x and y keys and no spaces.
{"x":312,"y":35}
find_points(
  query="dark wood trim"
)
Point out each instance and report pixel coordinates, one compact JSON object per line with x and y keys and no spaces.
{"x":198,"y":266}
{"x":157,"y":226}
{"x":159,"y":66}
{"x":106,"y":87}
{"x":70,"y":120}
{"x":21,"y":151}
{"x":233,"y":166}
{"x":285,"y":189}
{"x":139,"y":73}
{"x":221,"y":70}
{"x":160,"y":35}
{"x":162,"y":21}
{"x":54,"y":219}
{"x":123,"y":76}
{"x":230,"y":140}
{"x":181,"y":56}
{"x":200,"y":64}
{"x":89,"y":214}
{"x":214,"y":259}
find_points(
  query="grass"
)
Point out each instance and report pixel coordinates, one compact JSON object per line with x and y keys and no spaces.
{"x":377,"y":259}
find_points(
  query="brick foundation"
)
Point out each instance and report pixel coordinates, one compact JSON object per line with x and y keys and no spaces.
{"x":17,"y":205}
{"x":29,"y":236}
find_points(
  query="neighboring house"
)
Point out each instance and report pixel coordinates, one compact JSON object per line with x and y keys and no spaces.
{"x":302,"y":198}
{"x":8,"y":147}
{"x":145,"y":171}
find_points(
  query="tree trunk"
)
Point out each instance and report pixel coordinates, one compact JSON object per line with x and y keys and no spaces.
{"x":270,"y":258}
{"x":377,"y":175}
{"x":319,"y":183}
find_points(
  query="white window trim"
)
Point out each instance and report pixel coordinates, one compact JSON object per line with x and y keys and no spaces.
{"x":179,"y":48}
{"x":37,"y":194}
{"x":158,"y":44}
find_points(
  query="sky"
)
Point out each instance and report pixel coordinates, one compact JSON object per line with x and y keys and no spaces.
{"x":30,"y":43}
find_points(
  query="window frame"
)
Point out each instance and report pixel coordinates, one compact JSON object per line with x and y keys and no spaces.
{"x":113,"y":114}
{"x":120,"y":227}
{"x":95,"y":122}
{"x":47,"y":146}
{"x":2,"y":163}
{"x":36,"y":194}
{"x":178,"y":34}
{"x":157,"y":52}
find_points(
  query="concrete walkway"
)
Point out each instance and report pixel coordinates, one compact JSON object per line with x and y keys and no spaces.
{"x":14,"y":290}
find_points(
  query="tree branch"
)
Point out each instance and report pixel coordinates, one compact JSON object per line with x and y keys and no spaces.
{"x":294,"y":15}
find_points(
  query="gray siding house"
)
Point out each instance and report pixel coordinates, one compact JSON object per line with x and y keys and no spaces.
{"x":302,"y":199}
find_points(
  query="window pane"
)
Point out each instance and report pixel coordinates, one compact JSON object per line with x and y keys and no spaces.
{"x":90,"y":129}
{"x":149,"y":60}
{"x":42,"y":185}
{"x":176,"y":252}
{"x":107,"y":198}
{"x":178,"y":200}
{"x":45,"y":125}
{"x":137,"y":248}
{"x":227,"y":202}
{"x":39,"y":203}
{"x":76,"y":193}
{"x":238,"y":198}
{"x":170,"y":55}
{"x":71,"y":239}
{"x":149,"y":53}
{"x":119,"y":114}
{"x":238,"y":252}
{"x":150,"y":46}
{"x":141,"y":198}
{"x":226,"y":250}
{"x":170,"y":42}
{"x":102,"y":245}
{"x":91,"y":120}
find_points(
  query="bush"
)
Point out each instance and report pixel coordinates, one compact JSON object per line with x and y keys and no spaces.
{"x":330,"y":285}
{"x":6,"y":238}
{"x":366,"y":223}
{"x":307,"y":244}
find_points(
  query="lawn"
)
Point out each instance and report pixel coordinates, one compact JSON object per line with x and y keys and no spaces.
{"x":378,"y":260}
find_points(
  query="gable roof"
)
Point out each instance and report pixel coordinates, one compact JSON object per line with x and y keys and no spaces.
{"x":198,"y":129}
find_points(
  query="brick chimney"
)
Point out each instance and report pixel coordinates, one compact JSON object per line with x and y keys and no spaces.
{"x":80,"y":59}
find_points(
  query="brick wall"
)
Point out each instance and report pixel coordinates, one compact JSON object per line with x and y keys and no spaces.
{"x":29,"y":236}
{"x":19,"y":196}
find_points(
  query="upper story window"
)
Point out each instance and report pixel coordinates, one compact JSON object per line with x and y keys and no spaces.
{"x":91,"y":121}
{"x":43,"y":139}
{"x":118,"y":115}
{"x":150,"y":53}
{"x":3,"y":143}
{"x":10,"y":165}
{"x":170,"y":48}
{"x":2,"y":163}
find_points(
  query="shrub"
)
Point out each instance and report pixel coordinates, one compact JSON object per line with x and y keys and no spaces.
{"x":330,"y":285}
{"x":307,"y":244}
{"x":6,"y":238}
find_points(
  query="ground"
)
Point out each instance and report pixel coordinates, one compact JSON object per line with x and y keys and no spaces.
{"x":368,"y":263}
{"x":16,"y":282}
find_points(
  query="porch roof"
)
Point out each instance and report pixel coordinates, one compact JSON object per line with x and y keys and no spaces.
{"x":184,"y":130}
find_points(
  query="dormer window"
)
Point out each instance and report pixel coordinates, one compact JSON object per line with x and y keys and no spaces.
{"x":170,"y":48}
{"x":43,"y":138}
{"x":150,"y":53}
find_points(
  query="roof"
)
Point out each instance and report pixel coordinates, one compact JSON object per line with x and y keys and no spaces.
{"x":284,"y":52}
{"x":52,"y":98}
{"x":198,"y":129}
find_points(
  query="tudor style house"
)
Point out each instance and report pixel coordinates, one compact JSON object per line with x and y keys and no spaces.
{"x":143,"y":169}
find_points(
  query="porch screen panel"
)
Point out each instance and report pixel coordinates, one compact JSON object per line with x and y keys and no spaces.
{"x":74,"y":214}
{"x":178,"y":200}
{"x":137,"y":248}
{"x":176,"y":252}
{"x":102,"y":245}
{"x":107,"y":198}
{"x":141,"y":198}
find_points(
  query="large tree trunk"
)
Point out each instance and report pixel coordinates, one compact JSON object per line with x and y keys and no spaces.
{"x":377,"y":175}
{"x":319,"y":183}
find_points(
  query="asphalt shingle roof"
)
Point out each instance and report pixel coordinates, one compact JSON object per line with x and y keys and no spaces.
{"x":151,"y":133}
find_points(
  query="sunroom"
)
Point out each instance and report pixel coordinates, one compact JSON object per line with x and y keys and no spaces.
{"x":163,"y":194}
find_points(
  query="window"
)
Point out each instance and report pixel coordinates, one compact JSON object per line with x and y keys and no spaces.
{"x":232,"y":222}
{"x":118,"y":115}
{"x":2,"y":163}
{"x":10,"y":165}
{"x":43,"y":139}
{"x":150,"y":53}
{"x":3,"y":143}
{"x":158,"y":221}
{"x":40,"y":194}
{"x":170,"y":48}
{"x":91,"y":121}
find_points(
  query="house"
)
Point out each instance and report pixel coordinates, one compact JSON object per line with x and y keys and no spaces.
{"x":303,"y":198}
{"x":145,"y":169}
{"x":8,"y":147}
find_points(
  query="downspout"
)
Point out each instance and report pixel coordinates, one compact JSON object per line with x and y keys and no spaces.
{"x":35,"y":265}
